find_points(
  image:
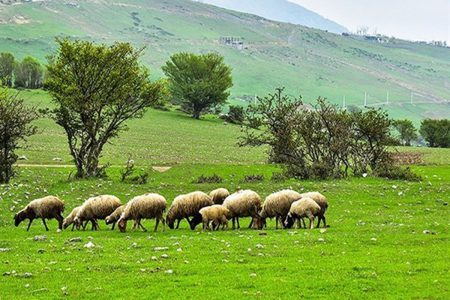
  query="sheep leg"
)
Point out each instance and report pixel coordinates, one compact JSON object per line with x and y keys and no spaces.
{"x":251,"y":223}
{"x":163,"y":223}
{"x":73,"y":226}
{"x":142,"y":226}
{"x":45,"y":224}
{"x":238,"y":225}
{"x":29,"y":224}
{"x":178,"y":224}
{"x":304,"y":224}
{"x":60,"y":221}
{"x":277,"y":220}
{"x":233,"y":220}
{"x":114,"y":225}
{"x":311,"y":221}
{"x":156,"y":225}
{"x":324,"y":222}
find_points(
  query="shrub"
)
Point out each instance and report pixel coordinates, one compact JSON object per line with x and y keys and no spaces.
{"x":436,"y":132}
{"x":253,"y":178}
{"x":209,"y":179}
{"x":235,"y":115}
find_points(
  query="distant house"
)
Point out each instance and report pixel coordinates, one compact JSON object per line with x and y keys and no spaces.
{"x":235,"y":42}
{"x":377,"y":38}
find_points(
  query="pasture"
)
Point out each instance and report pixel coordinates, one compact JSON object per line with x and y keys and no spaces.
{"x":387,"y":239}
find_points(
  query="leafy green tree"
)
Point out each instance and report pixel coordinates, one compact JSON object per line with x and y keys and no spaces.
{"x":200,"y":82}
{"x":7,"y":63}
{"x":15,"y":127}
{"x":28,"y":73}
{"x":406,"y":130}
{"x":97,"y":88}
{"x":436,"y":132}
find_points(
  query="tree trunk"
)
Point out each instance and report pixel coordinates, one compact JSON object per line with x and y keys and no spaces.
{"x":196,"y":115}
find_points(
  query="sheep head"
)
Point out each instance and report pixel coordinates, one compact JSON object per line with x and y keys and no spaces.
{"x":197,"y":219}
{"x":122,"y":223}
{"x":289,"y":222}
{"x":170,"y":222}
{"x":19,"y":217}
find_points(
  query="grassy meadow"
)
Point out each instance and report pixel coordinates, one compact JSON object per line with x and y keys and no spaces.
{"x":386,"y":240}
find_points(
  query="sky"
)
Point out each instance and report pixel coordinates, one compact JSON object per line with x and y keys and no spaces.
{"x":408,"y":19}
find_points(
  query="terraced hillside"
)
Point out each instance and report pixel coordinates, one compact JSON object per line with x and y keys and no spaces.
{"x":306,"y":61}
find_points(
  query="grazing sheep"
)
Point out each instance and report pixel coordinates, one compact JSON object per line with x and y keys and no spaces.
{"x":69,"y":219}
{"x":45,"y":208}
{"x":215,"y":214}
{"x":96,"y":208}
{"x":219,"y":195}
{"x":244,"y":203}
{"x":305,"y":207}
{"x":147,"y":206}
{"x":323,"y":203}
{"x":277,"y":205}
{"x":115,"y":216}
{"x":186,"y":206}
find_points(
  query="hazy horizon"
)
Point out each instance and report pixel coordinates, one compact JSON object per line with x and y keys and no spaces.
{"x":417,"y":20}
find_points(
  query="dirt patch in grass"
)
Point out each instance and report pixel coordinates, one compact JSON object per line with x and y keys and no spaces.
{"x":408,"y":158}
{"x":161,"y":169}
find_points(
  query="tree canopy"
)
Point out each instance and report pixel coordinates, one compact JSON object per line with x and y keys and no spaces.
{"x":199,"y":82}
{"x":96,"y":88}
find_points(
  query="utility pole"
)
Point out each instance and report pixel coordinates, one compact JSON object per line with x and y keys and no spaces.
{"x":344,"y":105}
{"x":365,"y":99}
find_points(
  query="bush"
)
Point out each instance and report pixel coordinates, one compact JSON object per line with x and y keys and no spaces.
{"x":322,"y":142}
{"x":253,"y":178}
{"x":390,"y":171}
{"x":235,"y":115}
{"x":209,"y":179}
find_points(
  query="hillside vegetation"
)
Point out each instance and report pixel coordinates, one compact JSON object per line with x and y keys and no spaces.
{"x":306,"y":61}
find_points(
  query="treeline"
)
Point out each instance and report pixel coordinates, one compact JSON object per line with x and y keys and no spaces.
{"x":27,"y":73}
{"x":435,"y":133}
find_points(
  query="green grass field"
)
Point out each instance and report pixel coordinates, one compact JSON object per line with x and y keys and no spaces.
{"x":375,"y":246}
{"x":386,"y":240}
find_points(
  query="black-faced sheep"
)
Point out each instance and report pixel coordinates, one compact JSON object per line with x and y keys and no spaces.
{"x":148,"y":206}
{"x":96,"y":208}
{"x":323,"y":203}
{"x":45,"y":208}
{"x":305,"y":207}
{"x":186,"y":206}
{"x":219,"y":195}
{"x":214,"y":215}
{"x":244,"y":203}
{"x":277,"y":206}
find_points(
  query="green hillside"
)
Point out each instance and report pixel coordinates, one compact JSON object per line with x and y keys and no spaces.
{"x":306,"y":61}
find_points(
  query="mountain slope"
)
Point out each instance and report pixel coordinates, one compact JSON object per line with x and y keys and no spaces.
{"x":306,"y":61}
{"x":280,"y":10}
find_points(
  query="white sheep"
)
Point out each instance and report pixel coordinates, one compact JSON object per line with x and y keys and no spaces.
{"x":216,"y":215}
{"x":323,"y":203}
{"x":277,"y":205}
{"x":115,"y":216}
{"x":96,"y":208}
{"x":69,"y":220}
{"x":305,"y":207}
{"x":49,"y":207}
{"x":245,"y":203}
{"x":148,"y":206}
{"x":186,"y":206}
{"x":219,"y":195}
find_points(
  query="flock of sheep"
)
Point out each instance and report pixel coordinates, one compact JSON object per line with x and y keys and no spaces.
{"x":213,"y":210}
